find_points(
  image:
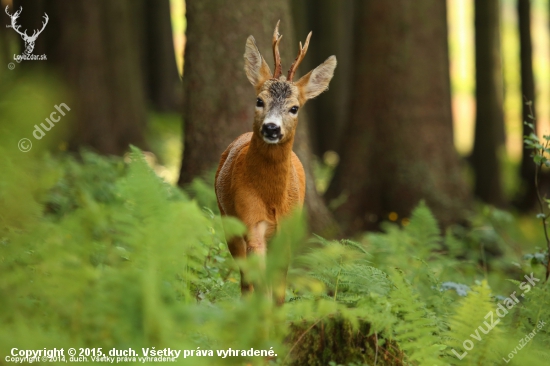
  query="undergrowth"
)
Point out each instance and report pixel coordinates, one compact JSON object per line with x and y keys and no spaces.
{"x":101,"y":252}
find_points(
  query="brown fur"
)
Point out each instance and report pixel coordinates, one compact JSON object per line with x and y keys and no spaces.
{"x":260,"y":182}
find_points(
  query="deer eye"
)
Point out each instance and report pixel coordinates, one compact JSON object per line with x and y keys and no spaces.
{"x":294,"y":110}
{"x":259,"y":103}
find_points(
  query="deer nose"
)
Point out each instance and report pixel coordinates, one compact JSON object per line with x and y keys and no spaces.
{"x":271,"y":131}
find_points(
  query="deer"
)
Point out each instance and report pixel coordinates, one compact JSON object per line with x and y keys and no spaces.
{"x":260,"y":180}
{"x":29,"y":40}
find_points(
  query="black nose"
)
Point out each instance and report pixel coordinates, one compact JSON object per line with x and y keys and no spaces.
{"x":271,"y":130}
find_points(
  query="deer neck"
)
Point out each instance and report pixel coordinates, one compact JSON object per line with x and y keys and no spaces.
{"x":270,"y":167}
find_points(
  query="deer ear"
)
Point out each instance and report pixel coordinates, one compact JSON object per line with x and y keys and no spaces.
{"x":316,"y":81}
{"x":255,"y":66}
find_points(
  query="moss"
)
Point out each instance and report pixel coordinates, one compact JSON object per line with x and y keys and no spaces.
{"x":336,"y":340}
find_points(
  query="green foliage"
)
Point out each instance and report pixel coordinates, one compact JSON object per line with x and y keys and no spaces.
{"x":468,"y":316}
{"x":541,"y":158}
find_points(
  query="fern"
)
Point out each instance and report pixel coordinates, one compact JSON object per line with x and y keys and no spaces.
{"x":466,"y":339}
{"x":414,"y":330}
{"x":423,"y":229}
{"x":100,"y":252}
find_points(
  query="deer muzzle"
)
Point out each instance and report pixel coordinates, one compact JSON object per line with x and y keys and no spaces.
{"x":271,"y":130}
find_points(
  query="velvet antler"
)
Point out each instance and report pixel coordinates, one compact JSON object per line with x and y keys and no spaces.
{"x":276,"y":55}
{"x":299,"y":58}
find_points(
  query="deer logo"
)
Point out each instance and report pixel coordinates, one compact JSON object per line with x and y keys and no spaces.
{"x":29,"y":40}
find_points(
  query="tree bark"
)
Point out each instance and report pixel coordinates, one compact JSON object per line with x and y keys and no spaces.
{"x":218,"y":99}
{"x":528,"y":195}
{"x":489,"y":129}
{"x":399,"y":143}
{"x":93,"y":45}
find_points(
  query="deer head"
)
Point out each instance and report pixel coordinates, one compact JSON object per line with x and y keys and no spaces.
{"x":278,"y":97}
{"x":29,"y":40}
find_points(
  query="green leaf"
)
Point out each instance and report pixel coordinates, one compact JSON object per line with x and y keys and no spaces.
{"x":423,"y":227}
{"x":232,"y":226}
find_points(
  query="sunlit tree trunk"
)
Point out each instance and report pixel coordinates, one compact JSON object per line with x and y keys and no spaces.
{"x":399,"y":143}
{"x":489,"y":129}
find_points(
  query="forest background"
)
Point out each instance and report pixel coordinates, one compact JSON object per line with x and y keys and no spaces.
{"x":426,"y":163}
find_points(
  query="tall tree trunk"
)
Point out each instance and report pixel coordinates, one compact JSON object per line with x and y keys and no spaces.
{"x":218,"y":99}
{"x":332,"y":24}
{"x":93,"y":45}
{"x":489,"y":129}
{"x":163,"y":83}
{"x":528,"y":195}
{"x":399,"y":143}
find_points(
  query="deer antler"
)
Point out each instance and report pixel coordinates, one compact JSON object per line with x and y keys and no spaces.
{"x":14,"y":17}
{"x":299,"y":58}
{"x":276,"y":55}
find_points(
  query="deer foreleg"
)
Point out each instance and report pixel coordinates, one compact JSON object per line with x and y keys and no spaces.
{"x":237,"y":247}
{"x":256,"y":243}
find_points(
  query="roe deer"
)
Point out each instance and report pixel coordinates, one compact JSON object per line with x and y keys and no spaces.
{"x":259,"y":179}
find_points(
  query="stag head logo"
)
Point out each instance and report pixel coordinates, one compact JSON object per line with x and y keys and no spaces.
{"x":29,"y":40}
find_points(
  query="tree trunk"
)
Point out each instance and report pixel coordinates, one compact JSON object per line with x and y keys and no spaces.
{"x":162,"y":81}
{"x":93,"y":45}
{"x":399,"y":143}
{"x":489,"y":129}
{"x":218,"y":99}
{"x":528,"y":195}
{"x":332,"y":25}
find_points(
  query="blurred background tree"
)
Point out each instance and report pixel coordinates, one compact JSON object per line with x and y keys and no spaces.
{"x":528,"y":195}
{"x":162,"y":79}
{"x":489,"y":139}
{"x":94,"y":47}
{"x":332,"y":24}
{"x":383,"y":137}
{"x":399,"y":141}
